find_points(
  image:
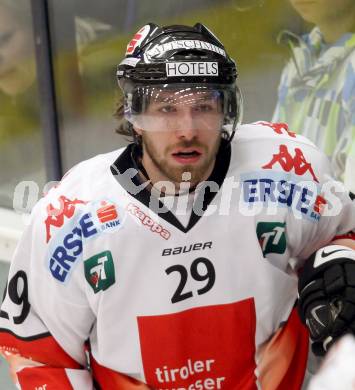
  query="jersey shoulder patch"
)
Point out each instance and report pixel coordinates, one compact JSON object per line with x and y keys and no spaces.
{"x":273,"y":147}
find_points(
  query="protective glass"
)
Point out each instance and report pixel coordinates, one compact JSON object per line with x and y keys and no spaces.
{"x":179,"y":107}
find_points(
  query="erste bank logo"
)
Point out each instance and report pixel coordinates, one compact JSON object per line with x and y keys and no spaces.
{"x":66,"y":248}
{"x":274,"y":189}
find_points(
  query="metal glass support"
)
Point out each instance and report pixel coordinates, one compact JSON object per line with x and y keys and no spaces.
{"x":45,"y":77}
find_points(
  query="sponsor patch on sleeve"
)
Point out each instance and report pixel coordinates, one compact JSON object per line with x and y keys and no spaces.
{"x":66,"y":248}
{"x":100,"y":271}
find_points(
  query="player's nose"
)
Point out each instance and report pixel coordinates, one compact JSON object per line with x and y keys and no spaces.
{"x":187,"y":125}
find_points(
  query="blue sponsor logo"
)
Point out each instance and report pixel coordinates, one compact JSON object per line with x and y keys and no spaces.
{"x":65,"y":255}
{"x":67,"y":246}
{"x":280,"y":190}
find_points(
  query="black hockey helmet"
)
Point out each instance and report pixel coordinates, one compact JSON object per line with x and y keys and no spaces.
{"x":182,"y":59}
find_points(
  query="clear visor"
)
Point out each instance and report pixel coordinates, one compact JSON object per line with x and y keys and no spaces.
{"x":179,"y":107}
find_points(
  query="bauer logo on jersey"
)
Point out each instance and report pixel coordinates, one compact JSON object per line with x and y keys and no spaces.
{"x":62,"y":210}
{"x":271,"y":236}
{"x":100,"y":271}
{"x":175,"y":69}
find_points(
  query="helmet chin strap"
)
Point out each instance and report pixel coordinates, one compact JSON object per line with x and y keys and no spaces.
{"x":229,"y":140}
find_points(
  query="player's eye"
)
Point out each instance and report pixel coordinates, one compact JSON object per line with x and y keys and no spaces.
{"x":167,"y":109}
{"x":204,"y":107}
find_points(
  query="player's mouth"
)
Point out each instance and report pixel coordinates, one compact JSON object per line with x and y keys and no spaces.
{"x":187,"y":156}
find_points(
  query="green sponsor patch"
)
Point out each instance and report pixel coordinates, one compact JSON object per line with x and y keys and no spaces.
{"x":271,"y":236}
{"x":100,"y":271}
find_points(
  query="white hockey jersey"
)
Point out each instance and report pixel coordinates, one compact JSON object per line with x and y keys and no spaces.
{"x":162,"y":304}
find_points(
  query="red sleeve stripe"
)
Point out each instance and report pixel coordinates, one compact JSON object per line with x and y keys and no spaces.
{"x":42,"y":348}
{"x":44,"y":378}
{"x":29,"y":338}
{"x":290,"y":343}
{"x":106,"y":378}
{"x":350,"y":235}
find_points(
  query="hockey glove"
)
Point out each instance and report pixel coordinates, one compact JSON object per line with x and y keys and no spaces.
{"x":326,"y":289}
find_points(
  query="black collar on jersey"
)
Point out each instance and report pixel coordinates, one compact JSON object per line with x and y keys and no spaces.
{"x":127,"y":161}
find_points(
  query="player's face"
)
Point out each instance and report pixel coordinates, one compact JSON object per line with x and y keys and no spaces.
{"x":323,"y":11}
{"x":182,"y":136}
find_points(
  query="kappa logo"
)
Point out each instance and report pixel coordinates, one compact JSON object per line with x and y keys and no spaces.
{"x":279,"y":128}
{"x":100,"y":271}
{"x":272,"y":237}
{"x":147,"y":221}
{"x":288,"y":162}
{"x":56,"y":216}
{"x":137,"y":39}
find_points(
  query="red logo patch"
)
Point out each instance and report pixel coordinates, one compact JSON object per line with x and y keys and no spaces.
{"x":288,"y":162}
{"x":137,"y":39}
{"x":56,"y":216}
{"x":209,"y":347}
{"x":279,"y":128}
{"x":319,"y":204}
{"x":107,"y":212}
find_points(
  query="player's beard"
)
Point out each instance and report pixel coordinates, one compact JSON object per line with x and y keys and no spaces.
{"x":174,"y":172}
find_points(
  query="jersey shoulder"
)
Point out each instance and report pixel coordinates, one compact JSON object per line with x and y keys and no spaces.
{"x":274,"y":148}
{"x":87,"y":176}
{"x":262,"y":130}
{"x":88,"y":184}
{"x":79,"y":210}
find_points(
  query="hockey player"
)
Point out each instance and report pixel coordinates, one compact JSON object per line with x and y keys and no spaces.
{"x":172,"y":263}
